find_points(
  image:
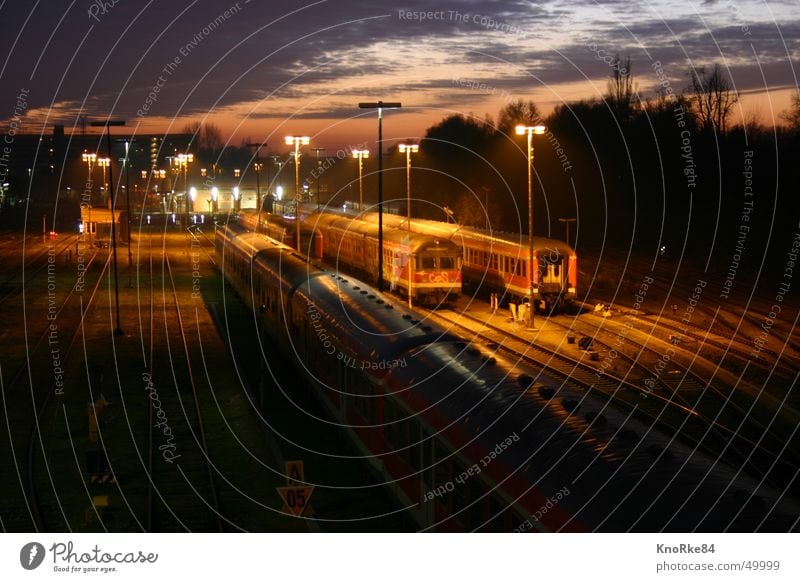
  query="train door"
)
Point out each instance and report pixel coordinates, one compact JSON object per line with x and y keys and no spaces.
{"x":552,"y":273}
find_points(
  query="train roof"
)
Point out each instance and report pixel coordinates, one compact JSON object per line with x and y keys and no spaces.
{"x":359,"y":320}
{"x":416,"y":242}
{"x":460,"y":235}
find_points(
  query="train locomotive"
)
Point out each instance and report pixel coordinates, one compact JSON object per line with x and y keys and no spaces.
{"x":499,"y":262}
{"x":468,"y":440}
{"x":425,"y":269}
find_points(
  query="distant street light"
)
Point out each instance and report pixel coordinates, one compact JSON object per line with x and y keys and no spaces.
{"x":89,"y":159}
{"x":297,"y":142}
{"x":104,"y":163}
{"x":183,"y":161}
{"x":257,"y":167}
{"x":360,"y":155}
{"x":236,"y":198}
{"x":380,"y":106}
{"x":530,"y":130}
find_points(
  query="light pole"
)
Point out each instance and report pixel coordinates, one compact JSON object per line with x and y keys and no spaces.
{"x":530,"y":130}
{"x":380,"y":106}
{"x":192,"y":197}
{"x":257,"y":167}
{"x":566,"y":221}
{"x":89,"y":159}
{"x":104,"y":163}
{"x":319,"y":176}
{"x":214,"y":196}
{"x":183,"y":164}
{"x":360,"y":155}
{"x":408,"y":149}
{"x":297,"y":142}
{"x":107,"y":124}
{"x":236,"y":198}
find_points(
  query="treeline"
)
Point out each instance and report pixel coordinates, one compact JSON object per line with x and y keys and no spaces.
{"x":675,"y":171}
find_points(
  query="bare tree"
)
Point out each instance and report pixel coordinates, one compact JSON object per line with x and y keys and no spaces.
{"x":712,"y":97}
{"x":621,"y":87}
{"x":515,"y":113}
{"x":792,"y":115}
{"x":208,"y":137}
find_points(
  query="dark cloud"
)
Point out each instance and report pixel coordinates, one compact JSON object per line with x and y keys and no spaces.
{"x":208,"y":55}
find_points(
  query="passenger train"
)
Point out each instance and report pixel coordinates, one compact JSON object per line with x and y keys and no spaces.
{"x":499,"y":262}
{"x":468,"y":439}
{"x":423,"y":268}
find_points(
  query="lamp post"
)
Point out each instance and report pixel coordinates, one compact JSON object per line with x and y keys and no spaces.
{"x":214,"y":196}
{"x":380,"y":106}
{"x":107,"y":124}
{"x":297,"y":142}
{"x":236,"y":198}
{"x":192,"y":197}
{"x":319,"y":174}
{"x":360,"y":155}
{"x":104,"y":163}
{"x":183,"y":165}
{"x":408,"y":149}
{"x":89,"y":159}
{"x":530,"y":130}
{"x":567,"y":221}
{"x":257,"y":167}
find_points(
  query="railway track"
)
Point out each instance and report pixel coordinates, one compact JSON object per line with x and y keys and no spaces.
{"x":678,"y":417}
{"x":17,"y":283}
{"x":761,"y":425}
{"x":182,"y":493}
{"x":45,"y":509}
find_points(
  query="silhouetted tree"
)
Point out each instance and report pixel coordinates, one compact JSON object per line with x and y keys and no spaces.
{"x":621,"y":88}
{"x":792,"y":115}
{"x":515,"y":113}
{"x":712,"y":97}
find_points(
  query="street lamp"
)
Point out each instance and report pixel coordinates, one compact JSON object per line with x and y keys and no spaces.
{"x":297,"y":142}
{"x":530,"y":130}
{"x":319,"y":175}
{"x":360,"y":155}
{"x":257,"y":167}
{"x":408,"y":149}
{"x":108,"y":124}
{"x":104,"y":163}
{"x":214,"y":195}
{"x":236,"y":198}
{"x":183,"y":161}
{"x":89,"y":159}
{"x":192,"y":197}
{"x":380,"y":106}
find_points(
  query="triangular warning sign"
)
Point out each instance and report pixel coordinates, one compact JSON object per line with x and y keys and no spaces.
{"x":295,"y":498}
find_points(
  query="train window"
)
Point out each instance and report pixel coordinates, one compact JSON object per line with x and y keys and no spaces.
{"x":512,"y":266}
{"x":428,"y":262}
{"x":555,"y":269}
{"x":446,"y":262}
{"x":494,"y":262}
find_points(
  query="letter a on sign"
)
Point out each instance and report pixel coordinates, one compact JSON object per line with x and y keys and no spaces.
{"x":295,"y":474}
{"x":295,"y":498}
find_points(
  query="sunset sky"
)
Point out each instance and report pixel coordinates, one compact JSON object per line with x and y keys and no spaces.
{"x":260,"y":71}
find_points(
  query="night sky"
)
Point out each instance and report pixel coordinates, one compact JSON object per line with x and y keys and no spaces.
{"x":261,"y":69}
